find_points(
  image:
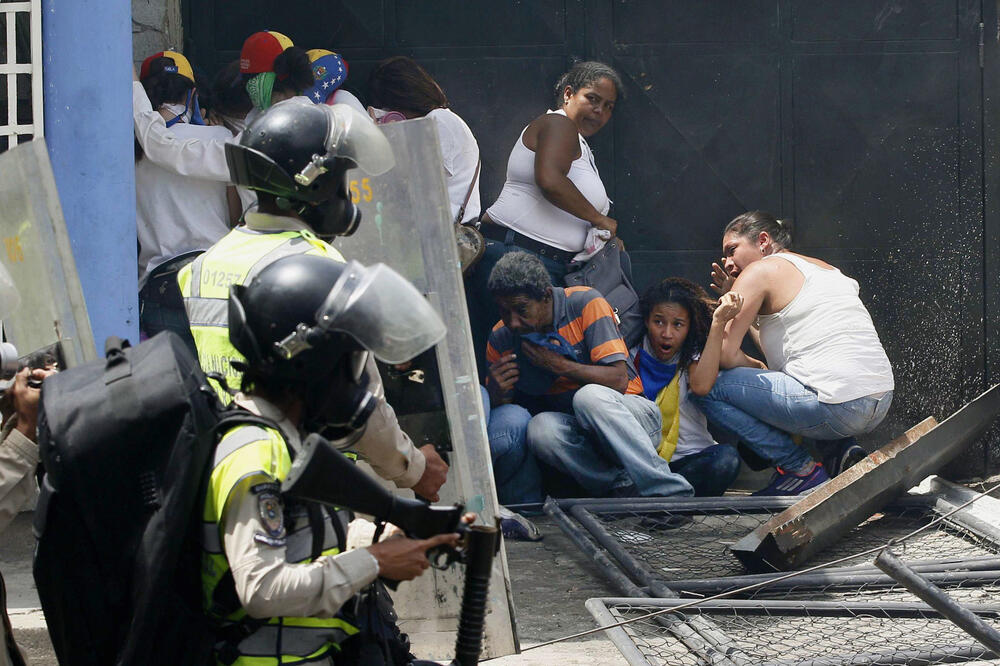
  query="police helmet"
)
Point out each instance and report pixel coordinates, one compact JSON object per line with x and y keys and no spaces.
{"x":309,"y":322}
{"x":300,"y":153}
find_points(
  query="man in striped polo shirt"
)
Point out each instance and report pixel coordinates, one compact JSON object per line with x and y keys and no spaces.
{"x":558,"y":354}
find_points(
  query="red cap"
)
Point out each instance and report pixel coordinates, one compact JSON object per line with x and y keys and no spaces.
{"x":259,"y":51}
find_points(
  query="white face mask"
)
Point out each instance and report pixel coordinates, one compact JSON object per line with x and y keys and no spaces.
{"x":178,"y":110}
{"x":383,"y":116}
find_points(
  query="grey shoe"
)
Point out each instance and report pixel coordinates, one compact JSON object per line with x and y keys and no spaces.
{"x":516,"y":527}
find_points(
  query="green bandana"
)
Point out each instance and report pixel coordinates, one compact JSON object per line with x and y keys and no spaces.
{"x":259,"y":88}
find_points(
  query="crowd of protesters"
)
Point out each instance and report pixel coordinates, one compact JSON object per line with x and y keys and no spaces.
{"x":571,"y":409}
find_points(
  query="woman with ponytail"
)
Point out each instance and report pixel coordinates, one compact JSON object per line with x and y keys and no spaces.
{"x":177,"y":217}
{"x":827,"y":375}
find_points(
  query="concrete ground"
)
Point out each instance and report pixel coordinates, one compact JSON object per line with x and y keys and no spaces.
{"x":551,"y":580}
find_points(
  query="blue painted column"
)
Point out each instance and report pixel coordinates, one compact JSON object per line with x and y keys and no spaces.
{"x":87,"y":49}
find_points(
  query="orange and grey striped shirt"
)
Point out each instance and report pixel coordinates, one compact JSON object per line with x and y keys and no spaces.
{"x":583,"y":319}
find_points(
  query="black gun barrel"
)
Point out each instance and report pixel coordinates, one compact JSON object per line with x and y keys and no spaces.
{"x":321,"y":473}
{"x":481,"y":547}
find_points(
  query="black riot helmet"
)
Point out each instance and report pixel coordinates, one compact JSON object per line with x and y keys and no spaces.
{"x":300,"y":152}
{"x":308,"y":322}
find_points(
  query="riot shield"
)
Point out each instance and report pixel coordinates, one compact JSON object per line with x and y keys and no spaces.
{"x":36,"y":252}
{"x":407,"y":224}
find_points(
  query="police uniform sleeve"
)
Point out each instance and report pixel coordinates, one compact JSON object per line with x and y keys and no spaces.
{"x":18,"y":459}
{"x":196,"y":158}
{"x":385,"y":446}
{"x":268,"y":586}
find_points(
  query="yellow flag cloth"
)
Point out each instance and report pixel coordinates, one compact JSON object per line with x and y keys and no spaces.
{"x":668,"y":400}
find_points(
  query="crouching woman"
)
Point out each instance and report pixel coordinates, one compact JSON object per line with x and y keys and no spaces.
{"x":827,"y":375}
{"x":678,"y":356}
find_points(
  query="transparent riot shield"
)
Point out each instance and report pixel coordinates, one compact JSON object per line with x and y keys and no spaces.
{"x":36,"y":251}
{"x":407,"y":224}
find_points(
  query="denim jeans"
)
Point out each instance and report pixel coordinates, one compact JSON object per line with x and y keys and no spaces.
{"x":710,"y":471}
{"x":483,"y":310}
{"x":762,"y":407}
{"x":515,"y":470}
{"x":608,"y":442}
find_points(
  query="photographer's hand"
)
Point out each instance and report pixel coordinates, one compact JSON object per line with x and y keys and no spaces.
{"x":25,"y":398}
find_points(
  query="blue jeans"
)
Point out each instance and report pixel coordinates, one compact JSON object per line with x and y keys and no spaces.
{"x":762,"y":407}
{"x":483,"y":310}
{"x":608,"y":442}
{"x":515,"y":470}
{"x":710,"y":471}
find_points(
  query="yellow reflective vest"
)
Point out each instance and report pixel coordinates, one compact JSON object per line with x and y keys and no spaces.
{"x":247,"y":458}
{"x":236,"y":259}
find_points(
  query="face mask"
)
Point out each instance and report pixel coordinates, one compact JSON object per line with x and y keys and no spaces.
{"x":383,"y":117}
{"x":189,"y":113}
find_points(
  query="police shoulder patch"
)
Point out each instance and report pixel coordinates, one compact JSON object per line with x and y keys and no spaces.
{"x":272,"y":514}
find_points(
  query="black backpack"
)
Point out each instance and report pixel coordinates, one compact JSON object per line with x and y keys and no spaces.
{"x":126,"y":444}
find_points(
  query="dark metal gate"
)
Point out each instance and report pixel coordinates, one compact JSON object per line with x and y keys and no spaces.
{"x":865,"y":121}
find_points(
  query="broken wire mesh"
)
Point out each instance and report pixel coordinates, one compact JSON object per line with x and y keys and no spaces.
{"x":745,"y":633}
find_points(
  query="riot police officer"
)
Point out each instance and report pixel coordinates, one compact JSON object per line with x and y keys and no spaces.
{"x":296,"y":156}
{"x":275,"y":571}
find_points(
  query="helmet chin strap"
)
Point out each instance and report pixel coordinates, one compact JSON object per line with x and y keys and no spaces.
{"x":329,"y":220}
{"x":344,"y":407}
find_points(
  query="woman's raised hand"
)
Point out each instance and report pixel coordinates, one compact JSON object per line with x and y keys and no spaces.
{"x":729,"y":306}
{"x":722,"y":281}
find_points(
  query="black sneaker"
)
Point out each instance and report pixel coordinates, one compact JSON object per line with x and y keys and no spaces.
{"x":850,"y":456}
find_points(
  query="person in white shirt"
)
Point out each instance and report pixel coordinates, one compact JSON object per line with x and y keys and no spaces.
{"x":399,"y":88}
{"x":827,"y":375}
{"x":177,"y":217}
{"x":272,"y":69}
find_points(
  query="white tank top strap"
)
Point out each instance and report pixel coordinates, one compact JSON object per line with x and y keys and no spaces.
{"x":585,"y":151}
{"x":805,"y":266}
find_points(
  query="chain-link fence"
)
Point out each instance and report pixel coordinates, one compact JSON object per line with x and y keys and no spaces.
{"x":675,"y":544}
{"x":790,"y":633}
{"x":848,"y":613}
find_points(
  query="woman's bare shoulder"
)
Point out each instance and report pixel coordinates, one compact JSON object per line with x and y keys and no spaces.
{"x":551,"y":128}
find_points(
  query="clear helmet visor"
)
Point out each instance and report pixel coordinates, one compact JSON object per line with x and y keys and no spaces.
{"x":383,"y":311}
{"x":354,"y":136}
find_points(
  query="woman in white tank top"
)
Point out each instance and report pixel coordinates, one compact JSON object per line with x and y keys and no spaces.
{"x":553,"y":195}
{"x":827,"y":375}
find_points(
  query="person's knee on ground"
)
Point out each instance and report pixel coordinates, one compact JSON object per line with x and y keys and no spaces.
{"x":542,"y":440}
{"x":515,"y":469}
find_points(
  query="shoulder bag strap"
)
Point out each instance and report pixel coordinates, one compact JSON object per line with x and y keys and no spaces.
{"x":468,"y":195}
